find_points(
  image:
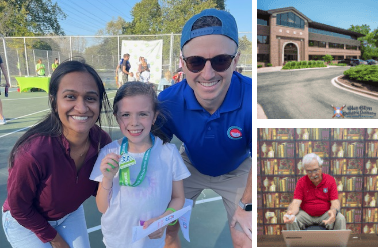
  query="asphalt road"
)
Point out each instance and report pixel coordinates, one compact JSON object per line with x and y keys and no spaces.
{"x":309,"y":94}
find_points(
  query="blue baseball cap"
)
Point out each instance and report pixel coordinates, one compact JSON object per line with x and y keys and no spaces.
{"x":228,"y":28}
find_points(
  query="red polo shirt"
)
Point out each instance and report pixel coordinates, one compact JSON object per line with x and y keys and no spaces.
{"x":316,"y":200}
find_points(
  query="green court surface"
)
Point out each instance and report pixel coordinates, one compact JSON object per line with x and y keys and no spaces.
{"x":208,"y":225}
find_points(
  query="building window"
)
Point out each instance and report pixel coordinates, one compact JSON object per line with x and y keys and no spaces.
{"x":262,"y":39}
{"x":351,"y":57}
{"x":315,"y":57}
{"x":315,"y":43}
{"x":319,"y":31}
{"x":337,"y":57}
{"x":290,"y":19}
{"x":262,"y":22}
{"x":351,"y":47}
{"x":335,"y":45}
{"x":263,"y":58}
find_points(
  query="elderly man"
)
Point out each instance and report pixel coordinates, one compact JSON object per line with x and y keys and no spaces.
{"x":316,"y":196}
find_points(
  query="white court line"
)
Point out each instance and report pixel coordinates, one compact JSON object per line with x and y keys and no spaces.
{"x":15,"y":99}
{"x":28,"y":115}
{"x":19,"y":130}
{"x":96,"y":228}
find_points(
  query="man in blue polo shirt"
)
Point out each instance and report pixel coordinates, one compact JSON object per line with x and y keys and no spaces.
{"x":211,"y":112}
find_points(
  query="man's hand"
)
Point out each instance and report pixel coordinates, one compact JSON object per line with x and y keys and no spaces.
{"x":332,"y":217}
{"x":244,"y":218}
{"x":287,"y":220}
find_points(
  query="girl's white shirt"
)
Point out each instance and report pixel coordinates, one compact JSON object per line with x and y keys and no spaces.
{"x":129,"y":205}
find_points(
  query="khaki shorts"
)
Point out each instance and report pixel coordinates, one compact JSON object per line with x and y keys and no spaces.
{"x":125,"y":78}
{"x":229,"y":186}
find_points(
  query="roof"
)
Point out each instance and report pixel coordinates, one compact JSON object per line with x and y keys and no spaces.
{"x":311,"y":23}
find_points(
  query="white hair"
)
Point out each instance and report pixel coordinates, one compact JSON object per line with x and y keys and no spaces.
{"x":311,"y":156}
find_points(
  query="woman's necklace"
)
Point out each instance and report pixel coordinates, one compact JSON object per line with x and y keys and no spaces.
{"x":85,"y":148}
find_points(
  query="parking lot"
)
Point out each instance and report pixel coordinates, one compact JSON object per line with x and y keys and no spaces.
{"x":306,"y":94}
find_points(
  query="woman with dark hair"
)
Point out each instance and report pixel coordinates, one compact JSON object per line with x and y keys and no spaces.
{"x":50,"y":165}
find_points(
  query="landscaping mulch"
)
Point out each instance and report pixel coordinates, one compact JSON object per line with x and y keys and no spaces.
{"x":357,"y":84}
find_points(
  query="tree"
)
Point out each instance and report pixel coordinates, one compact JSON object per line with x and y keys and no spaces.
{"x":147,"y":17}
{"x":368,"y":44}
{"x":30,"y":17}
{"x":175,"y":13}
{"x":327,"y":58}
{"x":115,"y":27}
{"x":12,"y":19}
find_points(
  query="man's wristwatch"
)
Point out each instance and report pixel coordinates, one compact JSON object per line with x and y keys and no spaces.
{"x":245,"y":206}
{"x":337,"y":211}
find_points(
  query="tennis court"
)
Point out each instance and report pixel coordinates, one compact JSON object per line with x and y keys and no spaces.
{"x":208,"y":226}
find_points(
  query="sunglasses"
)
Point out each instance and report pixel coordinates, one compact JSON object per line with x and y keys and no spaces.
{"x":219,"y":63}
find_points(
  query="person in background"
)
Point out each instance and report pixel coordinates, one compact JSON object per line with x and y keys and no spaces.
{"x":125,"y":68}
{"x":166,"y":81}
{"x":55,"y":64}
{"x":119,"y":73}
{"x":211,"y":113}
{"x":144,"y":70}
{"x":131,"y":77}
{"x":179,"y":76}
{"x":240,"y":70}
{"x":137,"y":76}
{"x":7,"y":85}
{"x":40,"y":68}
{"x":50,"y":165}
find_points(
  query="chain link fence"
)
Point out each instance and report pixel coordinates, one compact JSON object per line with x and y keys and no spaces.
{"x":21,"y":54}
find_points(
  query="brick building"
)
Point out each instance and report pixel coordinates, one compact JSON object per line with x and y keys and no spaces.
{"x":287,"y":35}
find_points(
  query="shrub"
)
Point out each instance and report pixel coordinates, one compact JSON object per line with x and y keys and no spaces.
{"x":364,"y":73}
{"x":259,"y":66}
{"x":269,"y":64}
{"x":303,"y":62}
{"x":327,"y":58}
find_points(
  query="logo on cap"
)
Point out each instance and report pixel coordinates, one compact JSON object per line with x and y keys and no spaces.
{"x":234,"y":133}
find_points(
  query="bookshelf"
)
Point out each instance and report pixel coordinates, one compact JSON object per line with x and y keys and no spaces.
{"x":350,"y":155}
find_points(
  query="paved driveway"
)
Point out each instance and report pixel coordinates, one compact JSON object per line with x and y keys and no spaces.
{"x":309,"y":94}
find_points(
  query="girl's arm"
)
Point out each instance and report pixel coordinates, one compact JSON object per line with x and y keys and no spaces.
{"x":178,"y":197}
{"x":102,"y":195}
{"x":108,"y":167}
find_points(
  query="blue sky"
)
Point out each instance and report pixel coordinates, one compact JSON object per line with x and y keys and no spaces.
{"x":338,"y":13}
{"x":86,"y":17}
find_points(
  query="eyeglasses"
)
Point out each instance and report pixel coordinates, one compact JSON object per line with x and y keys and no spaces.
{"x":219,"y":63}
{"x":313,"y":171}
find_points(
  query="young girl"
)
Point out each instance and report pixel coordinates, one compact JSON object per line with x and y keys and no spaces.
{"x":151,"y":187}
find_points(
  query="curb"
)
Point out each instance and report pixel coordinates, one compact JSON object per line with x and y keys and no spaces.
{"x":301,"y":69}
{"x":260,"y":112}
{"x":356,"y":89}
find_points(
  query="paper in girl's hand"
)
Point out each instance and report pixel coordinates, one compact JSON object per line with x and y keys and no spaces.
{"x":184,"y":220}
{"x":139,"y":232}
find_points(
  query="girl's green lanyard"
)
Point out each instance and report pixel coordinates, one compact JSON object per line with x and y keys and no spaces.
{"x":126,"y":161}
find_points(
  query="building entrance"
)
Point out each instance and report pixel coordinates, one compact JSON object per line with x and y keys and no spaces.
{"x":290,"y":53}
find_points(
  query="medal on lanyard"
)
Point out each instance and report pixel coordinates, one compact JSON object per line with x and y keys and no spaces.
{"x":126,"y":161}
